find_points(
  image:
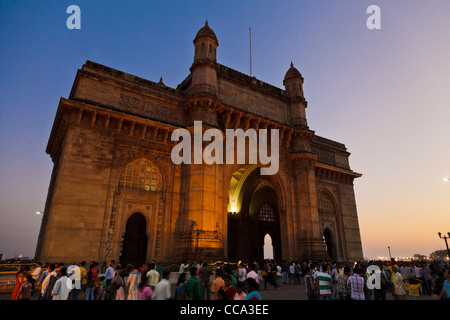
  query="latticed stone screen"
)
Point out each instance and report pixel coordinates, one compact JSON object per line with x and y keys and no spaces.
{"x":326,"y":204}
{"x":266,"y":213}
{"x":142,"y":174}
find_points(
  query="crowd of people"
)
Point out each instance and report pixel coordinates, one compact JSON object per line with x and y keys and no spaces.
{"x":147,"y":282}
{"x":376,"y":280}
{"x":232,"y":281}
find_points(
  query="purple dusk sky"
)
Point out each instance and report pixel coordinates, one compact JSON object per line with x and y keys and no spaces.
{"x":383,"y":93}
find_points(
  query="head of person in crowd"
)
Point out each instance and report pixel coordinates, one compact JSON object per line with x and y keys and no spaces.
{"x":63,"y":271}
{"x":252,"y":285}
{"x":193,"y":271}
{"x":347,"y":270}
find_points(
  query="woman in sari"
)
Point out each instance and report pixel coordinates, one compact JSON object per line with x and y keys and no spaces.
{"x":20,"y":279}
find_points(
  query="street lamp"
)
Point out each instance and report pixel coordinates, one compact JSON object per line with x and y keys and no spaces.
{"x":445,"y":238}
{"x":39,"y":212}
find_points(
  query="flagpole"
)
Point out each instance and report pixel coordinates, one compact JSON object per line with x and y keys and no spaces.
{"x":250,"y":32}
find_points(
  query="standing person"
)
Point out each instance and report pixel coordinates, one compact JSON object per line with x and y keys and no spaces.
{"x":324,"y":284}
{"x":162,"y":288}
{"x":74,"y":273}
{"x":445,"y":292}
{"x":292,"y":272}
{"x":193,"y":286}
{"x":20,"y":280}
{"x":35,"y":275}
{"x":310,"y":284}
{"x":438,"y":283}
{"x":335,"y":276}
{"x":385,"y":285}
{"x":367,"y":292}
{"x":242,"y":273}
{"x":252,"y":290}
{"x":399,"y":287}
{"x":205,"y":286}
{"x":153,"y":276}
{"x":133,"y":281}
{"x":90,"y":283}
{"x":343,"y":291}
{"x":426,"y":279}
{"x":61,"y":290}
{"x":279,"y":275}
{"x":273,"y":275}
{"x":252,"y":273}
{"x":297,"y":271}
{"x":240,"y":293}
{"x":25,"y":290}
{"x":51,"y":272}
{"x":265,"y":274}
{"x":183,"y":266}
{"x":118,"y":278}
{"x":144,"y":291}
{"x":217,"y":284}
{"x":413,"y":285}
{"x":109,"y":273}
{"x":83,"y":273}
{"x":180,"y":291}
{"x":229,"y":290}
{"x":285,"y":272}
{"x":356,"y":284}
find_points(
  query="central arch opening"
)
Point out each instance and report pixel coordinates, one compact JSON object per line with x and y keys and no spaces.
{"x":252,"y":216}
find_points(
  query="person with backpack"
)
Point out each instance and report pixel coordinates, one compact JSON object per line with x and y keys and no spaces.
{"x":90,"y":282}
{"x":385,"y":285}
{"x":47,"y":285}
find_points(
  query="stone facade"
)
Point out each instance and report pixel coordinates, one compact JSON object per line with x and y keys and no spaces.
{"x":113,"y":174}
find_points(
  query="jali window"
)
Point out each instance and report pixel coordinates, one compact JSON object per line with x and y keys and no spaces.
{"x":326,"y":204}
{"x":142,"y":174}
{"x":266,"y":213}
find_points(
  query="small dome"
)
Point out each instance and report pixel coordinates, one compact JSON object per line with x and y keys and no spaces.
{"x":292,"y":73}
{"x":206,"y":31}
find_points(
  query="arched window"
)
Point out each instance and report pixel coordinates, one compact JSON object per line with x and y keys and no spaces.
{"x":266,"y":213}
{"x":142,"y":174}
{"x":326,"y":204}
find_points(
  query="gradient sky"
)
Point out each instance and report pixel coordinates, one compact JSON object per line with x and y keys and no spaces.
{"x":383,"y":93}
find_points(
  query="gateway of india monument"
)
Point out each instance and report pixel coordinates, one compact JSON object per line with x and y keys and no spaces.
{"x":116,"y":194}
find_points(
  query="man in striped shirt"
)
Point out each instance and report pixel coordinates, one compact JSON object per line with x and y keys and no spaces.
{"x":324,"y":284}
{"x":356,"y":284}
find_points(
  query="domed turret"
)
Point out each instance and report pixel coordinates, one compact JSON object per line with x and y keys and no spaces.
{"x":206,"y":44}
{"x":293,"y":82}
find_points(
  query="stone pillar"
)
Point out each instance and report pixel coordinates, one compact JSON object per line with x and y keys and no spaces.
{"x":310,"y":244}
{"x":201,"y":234}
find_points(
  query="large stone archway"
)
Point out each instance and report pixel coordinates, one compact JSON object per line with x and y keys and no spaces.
{"x":253,"y":212}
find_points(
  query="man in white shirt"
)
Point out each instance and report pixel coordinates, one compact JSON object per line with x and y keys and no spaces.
{"x":152,"y":276}
{"x":399,"y":288}
{"x":62,"y":286}
{"x":162,"y":289}
{"x":51,"y":272}
{"x":242,"y":273}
